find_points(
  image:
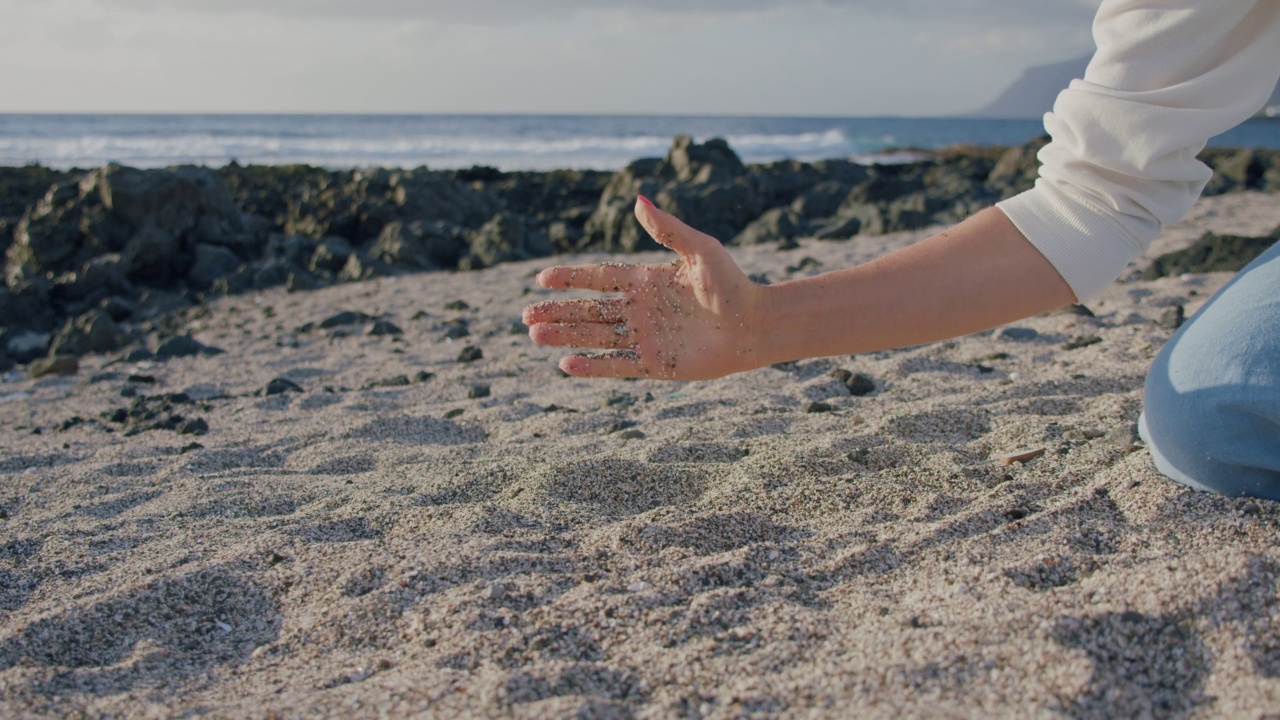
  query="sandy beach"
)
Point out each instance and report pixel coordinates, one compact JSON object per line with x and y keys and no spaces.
{"x":410,"y":512}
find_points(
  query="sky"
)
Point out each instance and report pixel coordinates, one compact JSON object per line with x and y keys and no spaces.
{"x":681,"y":57}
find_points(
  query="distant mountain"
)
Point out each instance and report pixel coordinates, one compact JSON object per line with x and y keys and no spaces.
{"x":1032,"y":95}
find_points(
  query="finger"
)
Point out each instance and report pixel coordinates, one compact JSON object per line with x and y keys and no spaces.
{"x":617,"y":364}
{"x":602,"y":310}
{"x":605,"y":277}
{"x":583,"y":335}
{"x":670,"y":231}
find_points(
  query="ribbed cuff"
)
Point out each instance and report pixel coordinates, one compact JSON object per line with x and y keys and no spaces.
{"x":1089,"y":248}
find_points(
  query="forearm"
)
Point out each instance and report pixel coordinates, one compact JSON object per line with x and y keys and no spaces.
{"x":979,"y":274}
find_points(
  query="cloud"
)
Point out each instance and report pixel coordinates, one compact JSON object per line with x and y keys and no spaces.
{"x":509,"y":12}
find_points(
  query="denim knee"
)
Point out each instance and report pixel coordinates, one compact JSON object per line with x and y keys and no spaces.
{"x":1208,"y":441}
{"x":1211,"y":410}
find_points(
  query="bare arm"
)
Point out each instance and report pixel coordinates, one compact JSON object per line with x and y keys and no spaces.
{"x":700,"y":317}
{"x":976,"y":275}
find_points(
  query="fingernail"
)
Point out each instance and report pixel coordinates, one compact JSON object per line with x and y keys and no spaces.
{"x":646,"y":201}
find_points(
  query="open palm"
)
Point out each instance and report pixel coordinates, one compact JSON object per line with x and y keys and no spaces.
{"x":690,"y":319}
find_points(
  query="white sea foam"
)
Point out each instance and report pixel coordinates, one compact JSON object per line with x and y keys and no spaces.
{"x":507,"y":142}
{"x":599,"y":152}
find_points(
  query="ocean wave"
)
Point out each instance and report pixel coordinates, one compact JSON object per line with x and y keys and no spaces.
{"x":443,"y":151}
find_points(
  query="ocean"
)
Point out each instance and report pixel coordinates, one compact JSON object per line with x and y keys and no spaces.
{"x":507,"y":142}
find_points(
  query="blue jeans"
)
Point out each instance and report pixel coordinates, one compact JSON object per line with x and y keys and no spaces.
{"x":1211,"y":410}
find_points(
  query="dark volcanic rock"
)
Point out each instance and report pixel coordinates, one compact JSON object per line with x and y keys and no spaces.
{"x":1173,"y":318}
{"x":112,"y":237}
{"x":1017,"y":334}
{"x":280,"y":385}
{"x":183,"y":346}
{"x":1211,"y":253}
{"x":209,"y":263}
{"x":361,"y":266}
{"x":157,"y":412}
{"x":118,"y":308}
{"x":556,"y":194}
{"x":21,"y":187}
{"x":385,"y":327}
{"x":821,"y":200}
{"x":457,"y":329}
{"x":858,"y":384}
{"x":778,"y":224}
{"x":1236,"y":169}
{"x":330,"y":255}
{"x":24,"y":345}
{"x":153,"y":219}
{"x":706,"y":185}
{"x":391,"y":382}
{"x":841,"y":228}
{"x":1017,"y":169}
{"x":358,"y":204}
{"x":1082,"y":341}
{"x":421,"y":245}
{"x":504,"y":238}
{"x":346,"y":317}
{"x":93,"y":332}
{"x":27,"y":308}
{"x":54,"y":365}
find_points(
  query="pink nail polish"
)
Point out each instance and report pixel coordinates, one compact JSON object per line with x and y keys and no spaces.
{"x":646,"y":201}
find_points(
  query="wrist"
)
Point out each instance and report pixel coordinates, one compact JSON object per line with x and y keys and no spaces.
{"x":762,"y":340}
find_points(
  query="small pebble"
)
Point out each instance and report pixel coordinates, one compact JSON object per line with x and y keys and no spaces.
{"x":1017,"y":334}
{"x":1021,"y":456}
{"x":1124,"y":437}
{"x":619,"y":426}
{"x":478,"y":391}
{"x":457,"y":330}
{"x":1172,"y":318}
{"x":280,"y":385}
{"x":470,"y":353}
{"x":344,"y":318}
{"x":183,"y":346}
{"x":384,"y":327}
{"x":858,"y":384}
{"x":1082,"y":342}
{"x":636,"y":587}
{"x":57,"y":365}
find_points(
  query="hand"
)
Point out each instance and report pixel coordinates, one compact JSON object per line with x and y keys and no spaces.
{"x":691,"y":319}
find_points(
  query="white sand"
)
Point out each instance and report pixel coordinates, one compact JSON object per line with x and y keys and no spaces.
{"x":641,"y":549}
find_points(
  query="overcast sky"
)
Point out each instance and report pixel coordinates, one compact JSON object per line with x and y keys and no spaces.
{"x":754,"y":57}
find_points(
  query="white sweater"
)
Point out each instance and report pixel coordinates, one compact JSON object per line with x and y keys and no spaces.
{"x":1167,"y":76}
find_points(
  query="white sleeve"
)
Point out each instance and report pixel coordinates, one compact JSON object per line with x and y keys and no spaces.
{"x":1167,"y":76}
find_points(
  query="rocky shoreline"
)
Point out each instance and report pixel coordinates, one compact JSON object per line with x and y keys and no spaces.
{"x":106,"y":260}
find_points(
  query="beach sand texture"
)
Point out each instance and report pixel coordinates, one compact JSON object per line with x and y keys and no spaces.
{"x":498,"y":540}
